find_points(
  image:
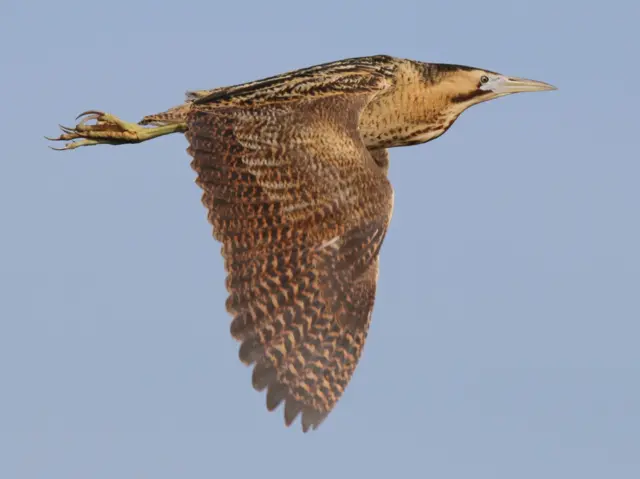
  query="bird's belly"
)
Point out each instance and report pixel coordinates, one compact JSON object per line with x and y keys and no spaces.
{"x":402,"y":136}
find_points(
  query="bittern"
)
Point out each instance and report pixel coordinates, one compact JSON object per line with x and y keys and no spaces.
{"x":293,"y":170}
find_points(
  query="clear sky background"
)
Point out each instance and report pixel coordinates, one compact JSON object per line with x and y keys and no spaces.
{"x":505,"y":338}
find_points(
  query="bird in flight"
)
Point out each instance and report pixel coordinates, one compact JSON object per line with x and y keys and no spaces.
{"x":293,"y":170}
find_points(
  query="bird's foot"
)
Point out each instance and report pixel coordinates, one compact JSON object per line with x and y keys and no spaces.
{"x":108,"y":130}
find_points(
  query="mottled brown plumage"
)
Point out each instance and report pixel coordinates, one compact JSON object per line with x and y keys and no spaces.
{"x":294,"y":174}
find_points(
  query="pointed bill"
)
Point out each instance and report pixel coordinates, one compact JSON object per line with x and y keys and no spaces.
{"x":520,"y":85}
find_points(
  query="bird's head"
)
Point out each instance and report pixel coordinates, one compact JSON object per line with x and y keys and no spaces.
{"x":467,"y":86}
{"x":448,"y":90}
{"x":427,"y":98}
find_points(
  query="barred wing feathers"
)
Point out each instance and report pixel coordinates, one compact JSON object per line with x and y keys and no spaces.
{"x":301,"y":208}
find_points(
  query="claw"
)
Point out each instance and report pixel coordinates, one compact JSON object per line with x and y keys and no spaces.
{"x":89,"y":117}
{"x":90,"y":112}
{"x":68,"y":130}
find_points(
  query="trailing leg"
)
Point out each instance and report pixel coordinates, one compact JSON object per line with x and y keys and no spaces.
{"x":110,"y":130}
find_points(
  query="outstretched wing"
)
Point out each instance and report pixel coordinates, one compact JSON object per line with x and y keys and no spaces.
{"x":301,"y":208}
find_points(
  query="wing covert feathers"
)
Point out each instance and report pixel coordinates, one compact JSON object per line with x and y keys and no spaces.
{"x":301,"y":208}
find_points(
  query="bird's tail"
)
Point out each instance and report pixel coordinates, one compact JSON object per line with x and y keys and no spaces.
{"x":176,"y":114}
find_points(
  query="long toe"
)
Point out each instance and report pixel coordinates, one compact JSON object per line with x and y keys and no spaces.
{"x":106,"y":129}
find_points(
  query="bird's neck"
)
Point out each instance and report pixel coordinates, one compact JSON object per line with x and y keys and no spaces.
{"x":412,"y":112}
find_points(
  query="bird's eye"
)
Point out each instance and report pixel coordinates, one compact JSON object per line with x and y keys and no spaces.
{"x":484,"y":79}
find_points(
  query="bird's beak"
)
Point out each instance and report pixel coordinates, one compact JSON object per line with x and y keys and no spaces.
{"x":520,"y":85}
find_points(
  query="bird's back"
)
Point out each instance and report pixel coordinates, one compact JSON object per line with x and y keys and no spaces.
{"x":309,"y":82}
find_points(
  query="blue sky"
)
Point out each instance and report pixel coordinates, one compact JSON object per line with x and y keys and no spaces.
{"x":504,"y":341}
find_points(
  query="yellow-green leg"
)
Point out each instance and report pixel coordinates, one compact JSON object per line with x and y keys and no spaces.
{"x":110,"y":130}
